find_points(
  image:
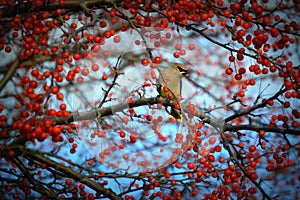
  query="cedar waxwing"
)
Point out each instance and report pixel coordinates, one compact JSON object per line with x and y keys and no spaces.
{"x":170,"y":83}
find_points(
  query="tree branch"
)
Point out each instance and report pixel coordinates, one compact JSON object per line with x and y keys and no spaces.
{"x":240,"y":165}
{"x":11,"y":71}
{"x":15,"y":65}
{"x":36,"y":156}
{"x":254,"y":107}
{"x":103,"y":112}
{"x":31,"y":179}
{"x":265,"y":128}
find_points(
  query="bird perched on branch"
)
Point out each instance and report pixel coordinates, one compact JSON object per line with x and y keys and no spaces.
{"x":170,"y":85}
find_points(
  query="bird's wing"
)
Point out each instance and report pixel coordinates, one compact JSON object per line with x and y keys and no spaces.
{"x":180,"y":87}
{"x":171,"y":79}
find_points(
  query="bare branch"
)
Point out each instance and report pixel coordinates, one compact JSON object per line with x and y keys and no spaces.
{"x":265,"y":128}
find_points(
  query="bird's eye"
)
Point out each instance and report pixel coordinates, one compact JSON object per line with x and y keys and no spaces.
{"x":184,"y":72}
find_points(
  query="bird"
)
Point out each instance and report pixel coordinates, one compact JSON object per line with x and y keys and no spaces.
{"x":170,"y":84}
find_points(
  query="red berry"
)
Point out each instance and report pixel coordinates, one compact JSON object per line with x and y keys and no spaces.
{"x":231,"y":58}
{"x":104,"y":77}
{"x":228,"y":71}
{"x":238,"y":77}
{"x":157,"y":60}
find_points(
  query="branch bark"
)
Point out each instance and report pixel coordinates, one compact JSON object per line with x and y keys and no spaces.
{"x":265,"y":128}
{"x":11,"y":71}
{"x":15,"y":65}
{"x":36,"y":156}
{"x":255,"y":107}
